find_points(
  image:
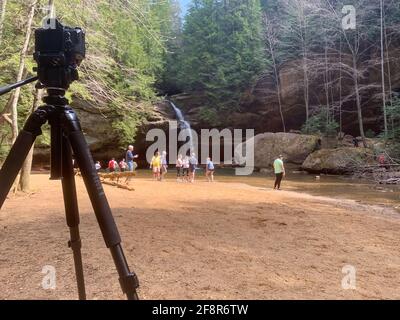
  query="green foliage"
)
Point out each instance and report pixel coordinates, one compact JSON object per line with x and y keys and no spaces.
{"x":126,"y":55}
{"x":222,"y":51}
{"x":393,"y":114}
{"x":320,"y":123}
{"x":370,"y":133}
{"x":126,"y":129}
{"x":209,"y":115}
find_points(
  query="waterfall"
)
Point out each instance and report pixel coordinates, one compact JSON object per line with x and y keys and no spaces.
{"x":183,"y":124}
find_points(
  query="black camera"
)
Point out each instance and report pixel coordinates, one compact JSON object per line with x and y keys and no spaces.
{"x":59,"y":50}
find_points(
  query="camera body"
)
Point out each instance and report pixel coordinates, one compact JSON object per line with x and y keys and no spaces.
{"x":59,"y":50}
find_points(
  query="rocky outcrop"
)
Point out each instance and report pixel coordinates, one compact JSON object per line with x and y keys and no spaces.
{"x":267,"y":146}
{"x":338,"y":161}
{"x":96,"y":122}
{"x":259,"y":107}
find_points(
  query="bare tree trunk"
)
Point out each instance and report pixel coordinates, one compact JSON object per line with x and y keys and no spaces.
{"x":2,"y":17}
{"x":278,"y":90}
{"x":326,"y":82}
{"x":305,"y":64}
{"x":389,"y":71}
{"x":271,"y":39}
{"x":358,"y":101}
{"x":25,"y":180}
{"x":383,"y":74}
{"x":14,"y":111}
{"x":15,"y":98}
{"x":340,"y":88}
{"x":306,"y":84}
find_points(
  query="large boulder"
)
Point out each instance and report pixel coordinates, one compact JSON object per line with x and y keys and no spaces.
{"x":338,"y":161}
{"x":267,"y":146}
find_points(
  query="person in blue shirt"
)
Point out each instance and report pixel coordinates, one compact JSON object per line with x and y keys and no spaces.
{"x":130,"y":156}
{"x":210,"y":170}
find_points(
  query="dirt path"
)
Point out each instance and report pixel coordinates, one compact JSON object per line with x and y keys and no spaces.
{"x":185,"y":241}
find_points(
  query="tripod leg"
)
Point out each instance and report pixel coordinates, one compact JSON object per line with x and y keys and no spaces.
{"x":128,"y":280}
{"x":20,"y":150}
{"x":72,"y":213}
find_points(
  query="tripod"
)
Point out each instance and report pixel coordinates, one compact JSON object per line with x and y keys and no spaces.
{"x":67,"y":136}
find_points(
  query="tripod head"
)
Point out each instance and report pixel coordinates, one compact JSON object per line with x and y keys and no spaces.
{"x":59,"y":50}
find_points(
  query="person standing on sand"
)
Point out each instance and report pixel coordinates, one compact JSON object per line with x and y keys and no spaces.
{"x":155,"y":164}
{"x":179,"y":165}
{"x":164,"y":165}
{"x":210,"y":170}
{"x":279,"y":170}
{"x":130,"y":156}
{"x":192,"y":166}
{"x":185,"y":169}
{"x":97,"y":166}
{"x":123,"y":165}
{"x":112,"y":165}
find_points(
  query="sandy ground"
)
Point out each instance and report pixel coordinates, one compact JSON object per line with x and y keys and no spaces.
{"x":201,"y":241}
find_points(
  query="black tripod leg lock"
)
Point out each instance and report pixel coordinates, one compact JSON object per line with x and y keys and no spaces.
{"x":128,"y":282}
{"x":76,"y":244}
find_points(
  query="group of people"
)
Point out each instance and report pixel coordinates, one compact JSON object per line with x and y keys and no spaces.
{"x":126,"y":164}
{"x":185,"y":167}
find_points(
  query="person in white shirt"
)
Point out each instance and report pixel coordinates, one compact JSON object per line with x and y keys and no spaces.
{"x":179,"y":167}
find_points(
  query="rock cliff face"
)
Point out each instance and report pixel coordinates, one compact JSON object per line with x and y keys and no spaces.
{"x":259,"y":107}
{"x":259,"y":110}
{"x":310,"y":153}
{"x":295,"y":148}
{"x":338,"y":161}
{"x":96,"y":123}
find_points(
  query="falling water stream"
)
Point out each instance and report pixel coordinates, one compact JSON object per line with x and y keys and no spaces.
{"x":183,"y":124}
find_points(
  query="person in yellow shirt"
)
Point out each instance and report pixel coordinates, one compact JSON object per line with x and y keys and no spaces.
{"x":155,"y":164}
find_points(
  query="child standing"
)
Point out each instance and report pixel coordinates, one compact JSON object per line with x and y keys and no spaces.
{"x":155,"y":164}
{"x":210,"y":170}
{"x":123,"y":165}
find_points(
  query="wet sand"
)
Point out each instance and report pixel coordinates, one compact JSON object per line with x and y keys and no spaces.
{"x":203,"y":240}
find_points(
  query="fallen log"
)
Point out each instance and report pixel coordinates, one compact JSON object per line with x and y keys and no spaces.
{"x":390,"y":181}
{"x":119,"y":185}
{"x":117,"y":175}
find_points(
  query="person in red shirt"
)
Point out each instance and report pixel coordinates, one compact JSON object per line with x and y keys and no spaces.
{"x":112,"y":165}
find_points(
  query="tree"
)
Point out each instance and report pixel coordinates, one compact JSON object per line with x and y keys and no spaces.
{"x":24,"y":183}
{"x":2,"y":17}
{"x":383,"y":69}
{"x":353,"y":39}
{"x":170,"y":15}
{"x":272,"y":38}
{"x":297,"y":40}
{"x":222,"y":52}
{"x":16,"y":93}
